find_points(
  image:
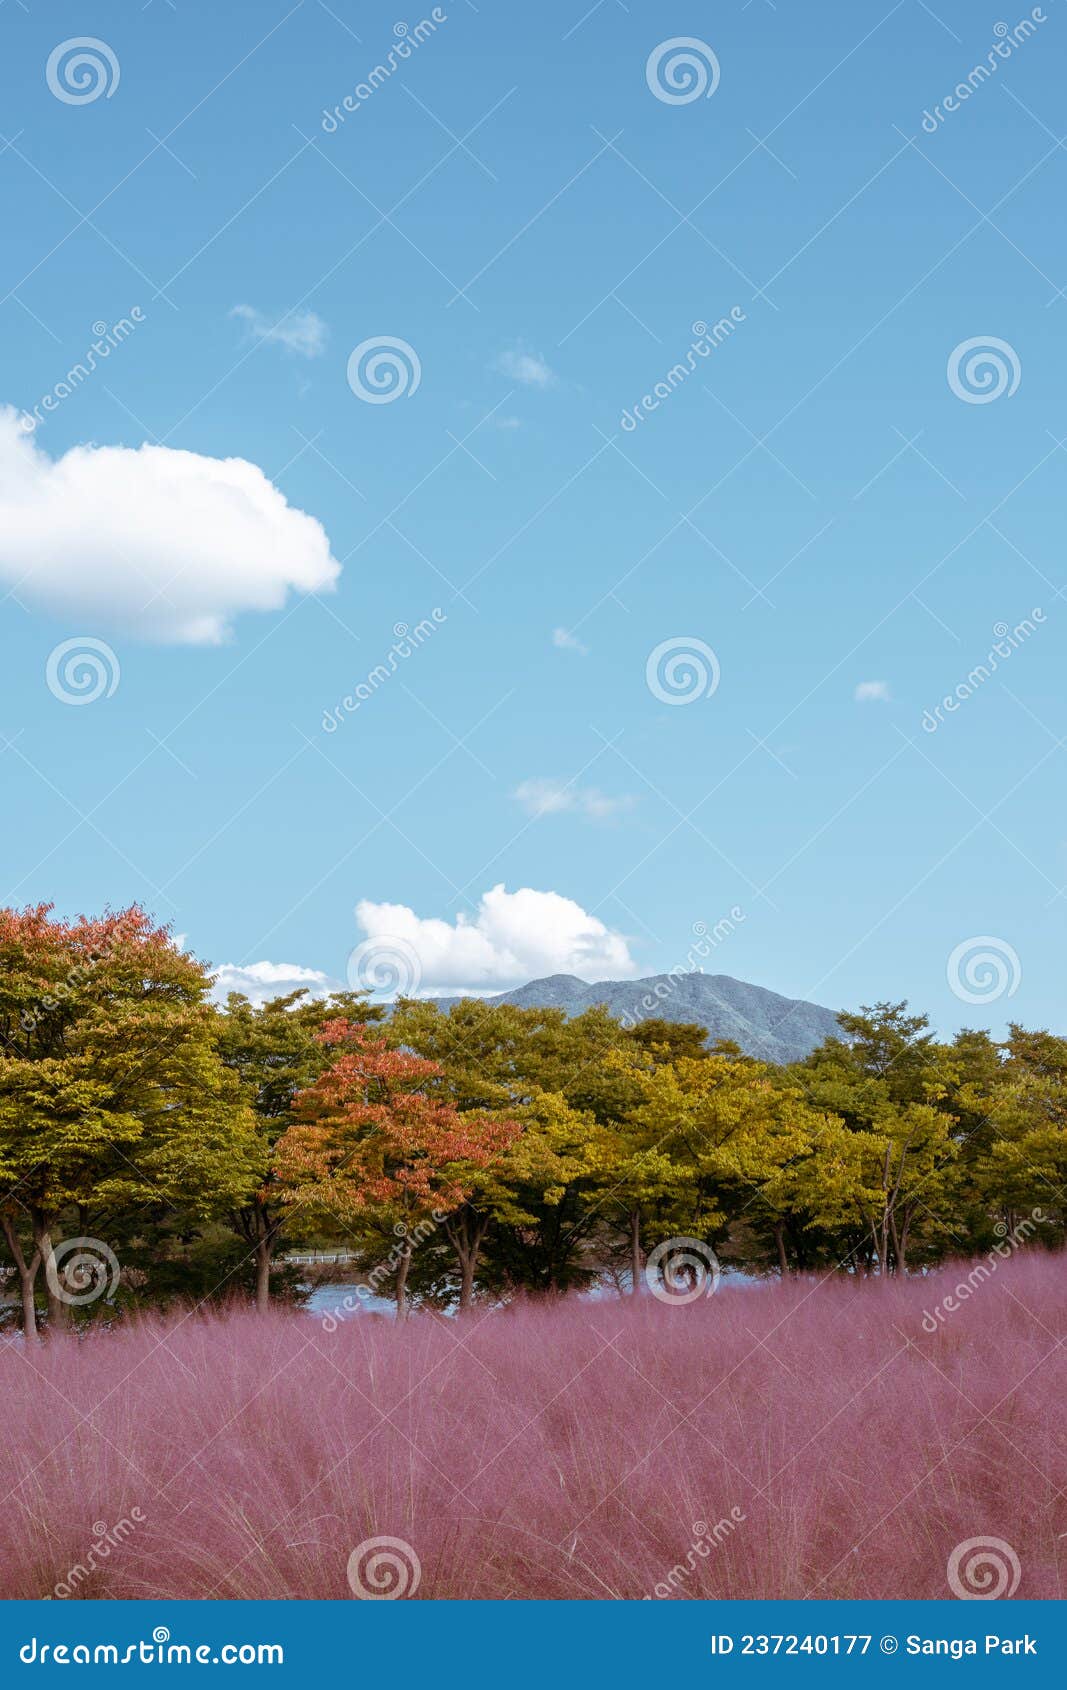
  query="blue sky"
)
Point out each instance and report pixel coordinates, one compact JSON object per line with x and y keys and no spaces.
{"x":814,"y":502}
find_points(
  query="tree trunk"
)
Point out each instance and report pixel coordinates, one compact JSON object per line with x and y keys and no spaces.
{"x":400,"y":1284}
{"x":636,"y":1258}
{"x":783,"y":1259}
{"x":265,"y":1234}
{"x":263,"y":1253}
{"x":465,"y":1232}
{"x":27,"y":1272}
{"x":29,"y":1304}
{"x":58,"y":1307}
{"x":901,"y":1247}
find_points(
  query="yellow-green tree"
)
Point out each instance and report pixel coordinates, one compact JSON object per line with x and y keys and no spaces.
{"x":112,"y":1094}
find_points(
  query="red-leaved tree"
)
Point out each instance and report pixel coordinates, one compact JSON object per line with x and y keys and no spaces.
{"x":374,"y":1148}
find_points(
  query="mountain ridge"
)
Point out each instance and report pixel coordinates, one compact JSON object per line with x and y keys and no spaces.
{"x":764,"y":1023}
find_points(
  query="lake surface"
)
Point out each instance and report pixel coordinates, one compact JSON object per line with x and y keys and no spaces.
{"x":346,"y":1301}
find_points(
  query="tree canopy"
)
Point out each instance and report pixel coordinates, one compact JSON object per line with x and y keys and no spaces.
{"x":173,"y":1148}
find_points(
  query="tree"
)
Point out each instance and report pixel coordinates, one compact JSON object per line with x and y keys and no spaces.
{"x":892,"y":1084}
{"x":537,"y":1204}
{"x":891,"y":1046}
{"x":112,"y":1095}
{"x":813,"y":1205}
{"x":373,"y":1150}
{"x":1019,"y":1163}
{"x":273,"y":1049}
{"x":916,"y":1150}
{"x":730,"y":1135}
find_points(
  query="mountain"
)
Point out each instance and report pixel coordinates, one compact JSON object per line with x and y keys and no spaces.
{"x":763,"y":1023}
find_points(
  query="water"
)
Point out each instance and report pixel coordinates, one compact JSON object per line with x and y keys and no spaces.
{"x":348,"y":1300}
{"x":345,"y":1301}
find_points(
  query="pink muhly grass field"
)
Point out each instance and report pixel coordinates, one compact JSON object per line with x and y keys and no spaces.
{"x":565,"y":1450}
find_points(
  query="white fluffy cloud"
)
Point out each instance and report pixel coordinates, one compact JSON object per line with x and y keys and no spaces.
{"x":522,"y":364}
{"x":872,"y":692}
{"x":260,"y":981}
{"x":301,"y":331}
{"x":159,"y":543}
{"x":514,"y":937}
{"x":545,"y":797}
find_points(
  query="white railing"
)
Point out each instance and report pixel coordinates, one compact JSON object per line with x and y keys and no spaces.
{"x":316,"y":1258}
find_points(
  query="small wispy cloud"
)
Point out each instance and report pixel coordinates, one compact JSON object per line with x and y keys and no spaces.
{"x":520,"y":363}
{"x":543,"y":796}
{"x":564,"y":640}
{"x":872,"y":692}
{"x":303,"y":332}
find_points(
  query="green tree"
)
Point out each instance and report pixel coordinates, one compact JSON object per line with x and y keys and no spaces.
{"x":1020,"y":1158}
{"x":112,"y":1094}
{"x":731,"y":1134}
{"x":891,"y":1082}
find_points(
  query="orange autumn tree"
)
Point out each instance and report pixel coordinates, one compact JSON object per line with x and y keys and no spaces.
{"x":373,"y":1148}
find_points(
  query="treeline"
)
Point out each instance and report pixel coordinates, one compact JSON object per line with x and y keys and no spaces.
{"x":154,"y":1147}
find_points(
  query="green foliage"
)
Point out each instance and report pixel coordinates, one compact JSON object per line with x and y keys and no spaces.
{"x":274,"y":1051}
{"x":488,"y":1150}
{"x":112,"y":1093}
